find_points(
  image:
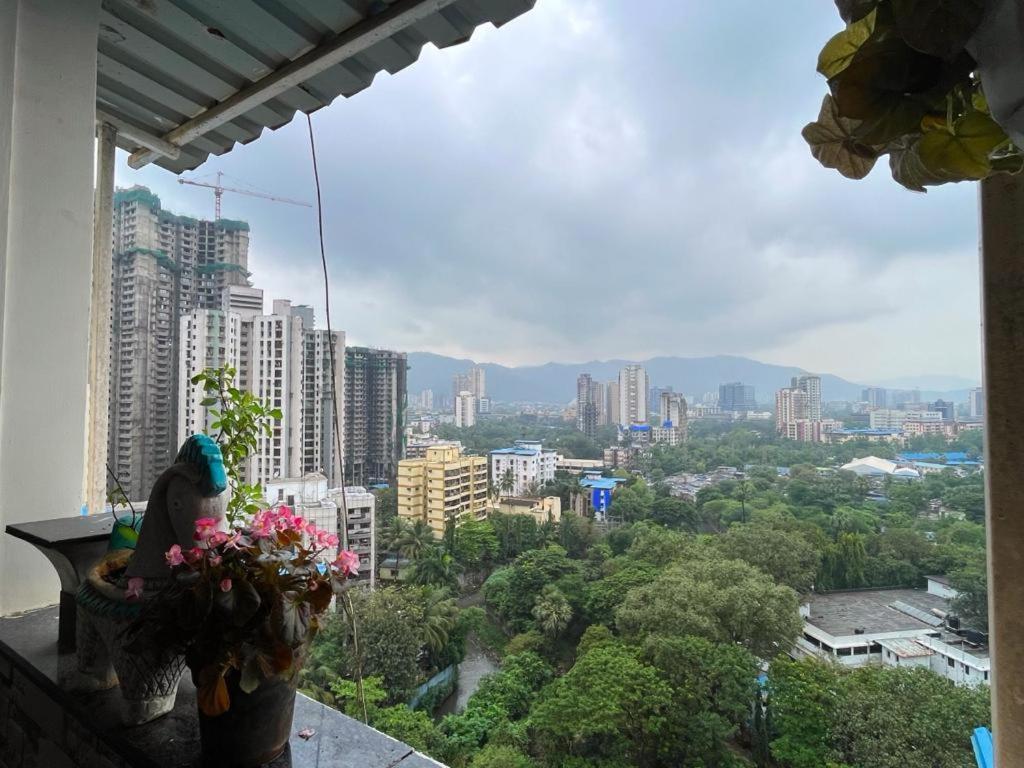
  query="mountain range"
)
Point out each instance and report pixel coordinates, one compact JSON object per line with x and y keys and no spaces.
{"x":556,"y":382}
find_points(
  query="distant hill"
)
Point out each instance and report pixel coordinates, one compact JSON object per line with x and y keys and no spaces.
{"x":556,"y":382}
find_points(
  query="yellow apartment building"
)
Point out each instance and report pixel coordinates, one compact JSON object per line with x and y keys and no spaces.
{"x":441,"y":486}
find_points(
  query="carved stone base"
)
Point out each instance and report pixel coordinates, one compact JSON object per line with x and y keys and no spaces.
{"x":149,"y":680}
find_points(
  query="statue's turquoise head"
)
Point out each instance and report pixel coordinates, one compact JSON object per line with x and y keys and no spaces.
{"x":203,"y":452}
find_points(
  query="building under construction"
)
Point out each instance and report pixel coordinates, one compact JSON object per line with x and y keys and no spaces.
{"x":375,"y":402}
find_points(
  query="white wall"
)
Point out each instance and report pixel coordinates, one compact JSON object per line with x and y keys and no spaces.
{"x":47,"y":151}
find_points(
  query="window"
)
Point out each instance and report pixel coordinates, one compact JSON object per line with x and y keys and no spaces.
{"x":950,"y":662}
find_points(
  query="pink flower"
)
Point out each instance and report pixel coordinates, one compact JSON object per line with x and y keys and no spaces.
{"x":173,"y":556}
{"x":134,"y":591}
{"x":205,"y":528}
{"x":215,"y":560}
{"x":218,"y":538}
{"x":232,"y":541}
{"x":347,"y":563}
{"x":312,"y":530}
{"x":225,"y":584}
{"x":193,"y":555}
{"x":332,"y":540}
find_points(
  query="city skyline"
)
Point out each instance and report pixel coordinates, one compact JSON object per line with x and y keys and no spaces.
{"x":766,"y":256}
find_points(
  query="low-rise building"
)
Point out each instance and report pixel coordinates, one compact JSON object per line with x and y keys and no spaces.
{"x":544,"y":510}
{"x":523,"y":468}
{"x":686,"y":485}
{"x":441,"y":487}
{"x":578,"y":466}
{"x":872,"y":466}
{"x":416,"y":447}
{"x":894,"y":627}
{"x":887,"y":418}
{"x":847,"y":434}
{"x":595,"y":496}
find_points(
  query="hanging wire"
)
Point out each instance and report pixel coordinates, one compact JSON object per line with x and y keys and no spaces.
{"x":124,"y":496}
{"x":347,"y":602}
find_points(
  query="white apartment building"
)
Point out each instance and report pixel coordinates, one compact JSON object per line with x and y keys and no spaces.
{"x":887,"y":418}
{"x":527,"y":464}
{"x":976,"y":403}
{"x":812,"y":386}
{"x":282,"y":360}
{"x":632,"y":391}
{"x":465,"y":409}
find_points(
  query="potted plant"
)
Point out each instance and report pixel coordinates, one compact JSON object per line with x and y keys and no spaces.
{"x":904,"y":82}
{"x":242,"y":606}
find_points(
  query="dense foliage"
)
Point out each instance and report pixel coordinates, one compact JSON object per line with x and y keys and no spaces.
{"x":902,"y":84}
{"x":640,"y":643}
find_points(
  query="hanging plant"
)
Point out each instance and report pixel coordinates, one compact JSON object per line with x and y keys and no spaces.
{"x":902,"y":84}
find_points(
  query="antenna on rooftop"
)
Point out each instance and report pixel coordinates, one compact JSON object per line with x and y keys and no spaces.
{"x":219,"y":189}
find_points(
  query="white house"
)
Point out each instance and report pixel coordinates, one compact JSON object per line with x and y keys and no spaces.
{"x":526,"y":462}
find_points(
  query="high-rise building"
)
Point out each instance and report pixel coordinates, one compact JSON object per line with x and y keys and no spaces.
{"x":588,"y":404}
{"x":523,"y":468}
{"x":460,"y":383}
{"x":736,"y":397}
{"x":976,"y":403}
{"x":612,"y":402}
{"x":375,"y":403}
{"x":283,"y":360}
{"x":444,"y":486}
{"x":164,"y":266}
{"x":478,"y":382}
{"x":465,"y":409}
{"x":812,"y":386}
{"x":633,"y":387}
{"x":946,"y":407}
{"x":791,"y":404}
{"x":875,"y":397}
{"x":674,"y":427}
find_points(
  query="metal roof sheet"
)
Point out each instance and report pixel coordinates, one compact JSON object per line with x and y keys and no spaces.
{"x":162,"y":63}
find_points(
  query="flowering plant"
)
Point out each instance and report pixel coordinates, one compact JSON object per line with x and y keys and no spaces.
{"x":243,"y":604}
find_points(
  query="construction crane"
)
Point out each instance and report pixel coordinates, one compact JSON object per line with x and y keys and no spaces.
{"x":219,"y":189}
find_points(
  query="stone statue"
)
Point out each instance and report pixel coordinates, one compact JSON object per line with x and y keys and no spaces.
{"x":116,"y":590}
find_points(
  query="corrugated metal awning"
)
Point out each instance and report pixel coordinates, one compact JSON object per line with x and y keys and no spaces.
{"x":202,"y":75}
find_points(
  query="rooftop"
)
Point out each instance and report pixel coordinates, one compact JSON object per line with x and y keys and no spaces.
{"x":843,"y":613}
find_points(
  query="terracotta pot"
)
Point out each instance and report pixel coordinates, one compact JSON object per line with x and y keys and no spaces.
{"x":256,"y":727}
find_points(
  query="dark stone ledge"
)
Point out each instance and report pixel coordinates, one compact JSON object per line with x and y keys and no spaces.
{"x":42,"y":726}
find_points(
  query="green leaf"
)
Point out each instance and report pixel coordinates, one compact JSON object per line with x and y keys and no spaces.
{"x":937,"y":27}
{"x":208,"y":401}
{"x":833,"y":145}
{"x":908,"y":169}
{"x":964,"y":152}
{"x":840,"y":50}
{"x":276,"y":414}
{"x":252,"y":673}
{"x":884,"y":88}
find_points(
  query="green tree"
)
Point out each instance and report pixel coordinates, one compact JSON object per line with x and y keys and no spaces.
{"x":609,"y":706}
{"x":784,"y":555}
{"x":971,"y":601}
{"x":725,"y":601}
{"x":552,"y":612}
{"x":804,"y":698}
{"x":493,"y":756}
{"x":413,"y":727}
{"x":712,"y":690}
{"x":435,"y":567}
{"x":416,"y":540}
{"x":389,"y":622}
{"x":906,"y":718}
{"x":476,"y":545}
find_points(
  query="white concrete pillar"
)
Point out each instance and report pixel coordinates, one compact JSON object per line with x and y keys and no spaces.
{"x":47,"y":125}
{"x":1002,"y":288}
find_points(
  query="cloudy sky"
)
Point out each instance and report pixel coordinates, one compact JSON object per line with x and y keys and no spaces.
{"x":592,"y":182}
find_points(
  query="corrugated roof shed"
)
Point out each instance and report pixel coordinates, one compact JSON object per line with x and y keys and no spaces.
{"x":206,"y":74}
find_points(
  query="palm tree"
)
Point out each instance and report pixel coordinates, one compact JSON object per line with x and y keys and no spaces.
{"x":552,"y":612}
{"x":507,"y":483}
{"x":417,"y":539}
{"x":436,"y":567}
{"x":393,"y":533}
{"x":440,"y":614}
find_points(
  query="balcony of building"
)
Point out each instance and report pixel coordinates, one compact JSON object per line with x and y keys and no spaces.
{"x":79,"y":78}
